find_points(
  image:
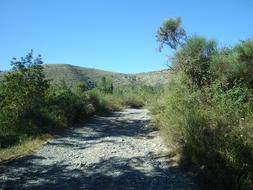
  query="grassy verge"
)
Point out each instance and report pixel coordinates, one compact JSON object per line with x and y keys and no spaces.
{"x":24,"y":148}
{"x":30,"y":106}
{"x":64,"y":107}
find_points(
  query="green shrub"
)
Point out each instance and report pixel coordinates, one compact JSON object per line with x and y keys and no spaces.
{"x":193,"y":59}
{"x":212,"y":130}
{"x":67,"y":107}
{"x":103,"y":102}
{"x":233,"y":65}
{"x":207,"y":112}
{"x":22,"y":96}
{"x":214,"y":137}
{"x":133,"y":102}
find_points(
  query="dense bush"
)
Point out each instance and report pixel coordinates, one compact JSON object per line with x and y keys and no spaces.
{"x":207,"y":112}
{"x":193,"y":59}
{"x":22,"y":95}
{"x":137,"y":96}
{"x":213,"y":134}
{"x":66,"y":107}
{"x":31,"y":106}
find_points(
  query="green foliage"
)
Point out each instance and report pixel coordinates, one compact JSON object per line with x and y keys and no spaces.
{"x":104,"y":102}
{"x":207,"y":112}
{"x":106,"y":85}
{"x":193,"y":59}
{"x":232,"y":65}
{"x":83,"y":87}
{"x":22,"y":93}
{"x":171,"y":33}
{"x":136,"y":96}
{"x":30,"y":106}
{"x":212,"y":130}
{"x":66,"y":107}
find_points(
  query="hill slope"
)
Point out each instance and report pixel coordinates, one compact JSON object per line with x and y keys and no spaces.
{"x":71,"y":74}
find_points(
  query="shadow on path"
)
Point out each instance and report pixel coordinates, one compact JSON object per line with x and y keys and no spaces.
{"x":114,"y":172}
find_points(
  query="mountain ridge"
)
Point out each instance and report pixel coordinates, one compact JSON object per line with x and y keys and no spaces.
{"x":71,"y":75}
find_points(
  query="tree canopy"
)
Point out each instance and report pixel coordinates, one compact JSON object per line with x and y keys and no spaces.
{"x":171,"y":33}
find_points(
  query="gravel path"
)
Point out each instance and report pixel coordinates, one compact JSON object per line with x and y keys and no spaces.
{"x":114,"y":152}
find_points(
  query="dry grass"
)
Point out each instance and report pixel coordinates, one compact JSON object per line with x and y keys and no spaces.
{"x":22,"y":149}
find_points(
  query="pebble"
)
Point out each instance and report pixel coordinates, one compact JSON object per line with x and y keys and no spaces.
{"x":103,"y":155}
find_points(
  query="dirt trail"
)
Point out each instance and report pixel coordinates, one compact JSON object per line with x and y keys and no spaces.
{"x":114,"y":152}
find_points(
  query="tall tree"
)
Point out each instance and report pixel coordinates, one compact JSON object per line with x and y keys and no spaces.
{"x":171,"y":33}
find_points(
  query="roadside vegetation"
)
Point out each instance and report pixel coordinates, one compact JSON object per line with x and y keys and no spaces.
{"x":206,"y":114}
{"x":32,"y":108}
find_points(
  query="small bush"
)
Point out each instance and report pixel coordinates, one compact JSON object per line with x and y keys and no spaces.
{"x":103,"y":102}
{"x":133,"y":102}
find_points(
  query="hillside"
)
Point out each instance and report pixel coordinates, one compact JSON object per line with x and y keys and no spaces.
{"x":71,"y":74}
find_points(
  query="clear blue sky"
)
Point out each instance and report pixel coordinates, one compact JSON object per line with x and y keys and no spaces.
{"x":115,"y":35}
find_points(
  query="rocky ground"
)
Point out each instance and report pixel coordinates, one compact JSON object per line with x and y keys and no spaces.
{"x":118,"y":151}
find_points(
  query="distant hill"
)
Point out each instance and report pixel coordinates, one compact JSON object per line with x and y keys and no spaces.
{"x":71,"y":74}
